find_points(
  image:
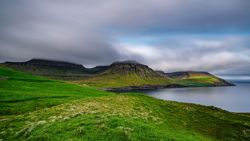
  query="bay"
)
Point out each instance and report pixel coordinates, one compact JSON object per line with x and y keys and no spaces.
{"x":234,"y":99}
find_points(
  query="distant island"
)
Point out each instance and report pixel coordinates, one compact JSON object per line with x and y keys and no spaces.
{"x":124,"y":75}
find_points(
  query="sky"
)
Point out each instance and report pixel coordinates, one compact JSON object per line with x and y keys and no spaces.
{"x":168,"y":35}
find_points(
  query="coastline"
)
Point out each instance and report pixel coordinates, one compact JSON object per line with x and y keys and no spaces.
{"x":157,"y":87}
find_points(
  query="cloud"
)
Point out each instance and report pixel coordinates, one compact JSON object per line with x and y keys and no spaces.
{"x":46,"y":30}
{"x":218,"y":55}
{"x":169,"y":35}
{"x":160,"y":16}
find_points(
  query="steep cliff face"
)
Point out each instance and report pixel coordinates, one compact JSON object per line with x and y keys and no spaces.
{"x":127,"y":73}
{"x":129,"y":67}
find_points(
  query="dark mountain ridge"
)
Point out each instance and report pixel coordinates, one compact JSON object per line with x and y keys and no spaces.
{"x":128,"y":67}
{"x":49,"y":68}
{"x":45,"y":62}
{"x":53,"y":63}
{"x":40,"y":66}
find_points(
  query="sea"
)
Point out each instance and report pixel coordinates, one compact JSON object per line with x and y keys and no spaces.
{"x":230,"y":98}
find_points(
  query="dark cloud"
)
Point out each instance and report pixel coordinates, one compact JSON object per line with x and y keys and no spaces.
{"x":47,"y":30}
{"x":90,"y":32}
{"x":161,"y":16}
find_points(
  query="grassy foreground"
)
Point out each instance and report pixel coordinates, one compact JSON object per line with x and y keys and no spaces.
{"x":21,"y":92}
{"x":35,"y":108}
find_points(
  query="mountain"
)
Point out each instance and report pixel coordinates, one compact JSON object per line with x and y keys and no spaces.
{"x":129,"y":75}
{"x":126,"y":73}
{"x":122,"y":75}
{"x":189,"y":78}
{"x":128,"y":67}
{"x":50,"y":68}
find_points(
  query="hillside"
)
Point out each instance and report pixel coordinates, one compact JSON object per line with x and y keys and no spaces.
{"x":50,"y":68}
{"x":37,"y":108}
{"x":190,"y":78}
{"x":22,"y":92}
{"x":133,"y":75}
{"x":123,"y":75}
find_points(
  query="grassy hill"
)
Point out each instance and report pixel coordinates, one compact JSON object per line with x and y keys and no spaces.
{"x":125,"y":74}
{"x":193,"y":78}
{"x":117,"y":75}
{"x":21,"y":92}
{"x":37,"y":108}
{"x":122,"y":74}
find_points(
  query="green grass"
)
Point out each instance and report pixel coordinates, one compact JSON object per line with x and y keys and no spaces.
{"x":35,"y":108}
{"x":126,"y":117}
{"x":116,"y":80}
{"x":133,"y":79}
{"x":202,"y":81}
{"x":21,"y":92}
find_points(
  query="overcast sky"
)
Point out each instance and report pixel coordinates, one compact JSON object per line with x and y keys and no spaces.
{"x":168,"y":35}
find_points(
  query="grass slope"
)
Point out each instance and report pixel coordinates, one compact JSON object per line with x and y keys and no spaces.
{"x":133,"y":79}
{"x":199,"y":79}
{"x":35,"y":108}
{"x":117,"y":80}
{"x":21,"y":92}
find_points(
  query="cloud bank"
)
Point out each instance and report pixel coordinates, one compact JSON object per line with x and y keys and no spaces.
{"x":165,"y":34}
{"x":226,"y":54}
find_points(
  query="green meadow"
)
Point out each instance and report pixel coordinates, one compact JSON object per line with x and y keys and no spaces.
{"x":37,"y":108}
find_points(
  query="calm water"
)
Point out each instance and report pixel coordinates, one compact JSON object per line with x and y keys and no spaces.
{"x":234,"y":99}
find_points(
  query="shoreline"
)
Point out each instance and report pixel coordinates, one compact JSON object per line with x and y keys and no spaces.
{"x":156,"y":87}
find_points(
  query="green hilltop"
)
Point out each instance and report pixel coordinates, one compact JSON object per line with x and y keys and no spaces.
{"x":38,"y":108}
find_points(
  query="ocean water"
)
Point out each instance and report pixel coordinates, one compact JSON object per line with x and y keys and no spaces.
{"x":234,"y":99}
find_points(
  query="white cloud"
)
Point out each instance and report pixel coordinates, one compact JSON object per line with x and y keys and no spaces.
{"x":208,"y":55}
